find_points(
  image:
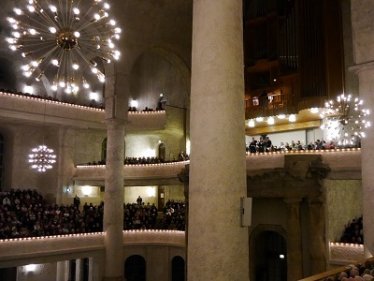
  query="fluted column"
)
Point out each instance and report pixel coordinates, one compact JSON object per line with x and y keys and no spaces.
{"x":217,"y":245}
{"x":294,"y":248}
{"x":362,"y":13}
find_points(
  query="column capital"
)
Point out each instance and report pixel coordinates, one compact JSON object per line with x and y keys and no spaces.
{"x":357,"y":68}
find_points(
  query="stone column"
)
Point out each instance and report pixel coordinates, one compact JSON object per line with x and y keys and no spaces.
{"x":95,"y":268}
{"x":115,"y":110}
{"x":78,"y":269}
{"x":184,"y":177}
{"x":294,"y":248}
{"x":217,"y":245}
{"x":363,"y":46}
{"x":113,"y":201}
{"x":62,"y":273}
{"x":317,"y":234}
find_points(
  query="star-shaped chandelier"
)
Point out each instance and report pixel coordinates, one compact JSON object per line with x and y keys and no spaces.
{"x":42,"y":158}
{"x":64,"y":40}
{"x":345,"y":121}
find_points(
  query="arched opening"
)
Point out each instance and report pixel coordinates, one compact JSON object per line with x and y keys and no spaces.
{"x":177,"y":269}
{"x":270,"y":250}
{"x":135,"y":268}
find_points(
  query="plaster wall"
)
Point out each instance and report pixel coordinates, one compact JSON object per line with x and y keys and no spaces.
{"x":174,"y":192}
{"x":23,"y":139}
{"x":154,"y":74}
{"x":269,"y":211}
{"x":147,"y":193}
{"x":139,"y":144}
{"x":87,"y":145}
{"x":351,"y":80}
{"x":343,"y":203}
{"x":362,"y":14}
{"x":171,"y":192}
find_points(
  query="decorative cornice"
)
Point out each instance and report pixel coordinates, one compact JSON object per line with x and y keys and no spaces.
{"x":362,"y":67}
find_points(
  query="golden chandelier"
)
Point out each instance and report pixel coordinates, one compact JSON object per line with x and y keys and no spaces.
{"x":64,"y":40}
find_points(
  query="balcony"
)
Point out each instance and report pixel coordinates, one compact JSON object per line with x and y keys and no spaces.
{"x":27,"y":108}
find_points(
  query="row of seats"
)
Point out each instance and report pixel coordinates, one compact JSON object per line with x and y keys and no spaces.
{"x":25,"y":213}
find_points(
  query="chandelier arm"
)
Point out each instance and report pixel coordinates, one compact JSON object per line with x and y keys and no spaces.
{"x":44,"y":15}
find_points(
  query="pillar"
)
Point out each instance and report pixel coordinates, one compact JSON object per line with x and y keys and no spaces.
{"x":294,"y":247}
{"x":217,"y":245}
{"x":317,"y":235}
{"x":115,"y":111}
{"x":78,"y":269}
{"x":95,"y":268}
{"x":113,"y":201}
{"x":362,"y":13}
{"x":62,"y":271}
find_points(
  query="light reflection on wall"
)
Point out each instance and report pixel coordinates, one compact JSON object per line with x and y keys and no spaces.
{"x":87,"y":191}
{"x":142,"y":145}
{"x":30,"y":268}
{"x":147,"y":193}
{"x":188,"y":147}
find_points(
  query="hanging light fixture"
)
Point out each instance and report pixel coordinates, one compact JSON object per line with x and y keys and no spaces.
{"x":345,"y":120}
{"x":63,"y":40}
{"x":42,"y":158}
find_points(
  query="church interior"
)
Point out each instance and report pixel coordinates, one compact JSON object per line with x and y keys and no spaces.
{"x":174,"y":140}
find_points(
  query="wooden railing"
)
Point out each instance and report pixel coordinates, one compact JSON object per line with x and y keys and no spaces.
{"x":333,"y":274}
{"x":324,"y":275}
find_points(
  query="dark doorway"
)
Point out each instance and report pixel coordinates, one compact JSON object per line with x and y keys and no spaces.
{"x":177,"y":269}
{"x":73,"y":269}
{"x":135,"y":269}
{"x":8,"y":274}
{"x":271,"y":257}
{"x":85,"y":269}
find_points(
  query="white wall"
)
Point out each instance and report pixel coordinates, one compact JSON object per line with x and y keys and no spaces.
{"x":147,"y":193}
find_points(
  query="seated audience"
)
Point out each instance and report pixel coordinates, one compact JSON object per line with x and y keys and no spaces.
{"x":25,"y":213}
{"x":353,"y":232}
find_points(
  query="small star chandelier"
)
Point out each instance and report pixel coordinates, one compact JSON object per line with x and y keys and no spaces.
{"x":64,"y":40}
{"x":345,"y":120}
{"x":42,"y":158}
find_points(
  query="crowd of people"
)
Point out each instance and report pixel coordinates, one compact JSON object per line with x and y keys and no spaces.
{"x":146,"y":109}
{"x":144,"y":160}
{"x":353,"y":232}
{"x":264,"y":144}
{"x":174,"y":215}
{"x":357,"y":272}
{"x":25,"y":213}
{"x":140,"y":216}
